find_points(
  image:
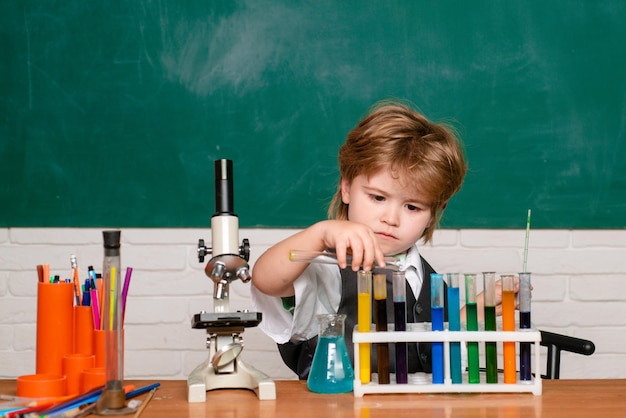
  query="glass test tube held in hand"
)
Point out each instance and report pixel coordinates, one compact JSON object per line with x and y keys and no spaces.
{"x":380,"y":311}
{"x":437,"y":307}
{"x":454,"y":324}
{"x":327,"y":257}
{"x":491,"y":348}
{"x":471,"y":310}
{"x":399,"y":319}
{"x":364,"y":308}
{"x":524,"y":323}
{"x":508,"y":324}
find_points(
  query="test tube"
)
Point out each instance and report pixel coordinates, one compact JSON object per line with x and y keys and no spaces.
{"x":454,"y":324}
{"x":471,"y":311}
{"x":508,"y":324}
{"x":399,"y":317}
{"x":364,"y":307}
{"x":327,"y":257}
{"x":437,"y":306}
{"x":524,"y":323}
{"x":491,"y":349}
{"x":380,"y":311}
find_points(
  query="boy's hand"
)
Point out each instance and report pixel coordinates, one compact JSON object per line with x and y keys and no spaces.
{"x":354,"y":239}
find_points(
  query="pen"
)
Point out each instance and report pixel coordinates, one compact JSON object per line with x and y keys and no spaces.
{"x":86,"y":294}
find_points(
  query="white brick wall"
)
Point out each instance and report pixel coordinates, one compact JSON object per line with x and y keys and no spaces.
{"x":578,"y":278}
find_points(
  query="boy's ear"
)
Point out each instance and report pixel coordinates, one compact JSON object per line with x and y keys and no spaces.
{"x":345,"y":191}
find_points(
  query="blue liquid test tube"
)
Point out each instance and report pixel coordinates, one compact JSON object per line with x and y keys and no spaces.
{"x":471,"y":309}
{"x":524,"y":323}
{"x":491,"y":348}
{"x":454,"y":324}
{"x":437,"y":307}
{"x":399,"y":318}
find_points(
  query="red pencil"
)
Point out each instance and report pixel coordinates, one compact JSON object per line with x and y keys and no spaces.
{"x":28,"y":410}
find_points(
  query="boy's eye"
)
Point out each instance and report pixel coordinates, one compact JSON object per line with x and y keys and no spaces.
{"x":377,"y":198}
{"x":414,"y":208}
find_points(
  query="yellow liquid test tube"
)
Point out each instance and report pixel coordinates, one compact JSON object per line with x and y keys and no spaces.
{"x":364,"y":307}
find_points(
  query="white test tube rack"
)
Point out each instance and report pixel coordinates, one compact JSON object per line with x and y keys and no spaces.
{"x":422,"y":383}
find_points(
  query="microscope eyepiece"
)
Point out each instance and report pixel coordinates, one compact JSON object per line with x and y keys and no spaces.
{"x":224,"y":201}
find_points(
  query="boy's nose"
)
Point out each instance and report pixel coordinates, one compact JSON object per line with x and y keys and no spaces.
{"x":390,"y":217}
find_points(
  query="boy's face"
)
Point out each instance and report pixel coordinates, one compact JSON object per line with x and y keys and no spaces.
{"x":395,"y":213}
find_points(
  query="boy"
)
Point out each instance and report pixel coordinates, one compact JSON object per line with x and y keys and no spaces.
{"x":398,"y":171}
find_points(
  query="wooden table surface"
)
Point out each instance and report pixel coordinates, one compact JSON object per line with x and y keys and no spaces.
{"x":560,"y":398}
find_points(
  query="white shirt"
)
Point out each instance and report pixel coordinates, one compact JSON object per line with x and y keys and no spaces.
{"x":317,"y":291}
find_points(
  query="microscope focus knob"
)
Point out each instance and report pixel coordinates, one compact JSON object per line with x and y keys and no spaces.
{"x":243,"y":274}
{"x":202,"y":250}
{"x":244,"y":250}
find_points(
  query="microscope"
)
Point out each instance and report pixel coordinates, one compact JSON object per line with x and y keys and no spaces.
{"x":223,"y":369}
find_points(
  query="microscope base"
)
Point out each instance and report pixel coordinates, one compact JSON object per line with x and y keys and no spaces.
{"x":204,"y":378}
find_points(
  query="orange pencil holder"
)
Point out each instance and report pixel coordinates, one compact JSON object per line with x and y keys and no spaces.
{"x":41,"y":385}
{"x":73,"y":367}
{"x":54,"y":326}
{"x":83,"y":330}
{"x":92,"y":378}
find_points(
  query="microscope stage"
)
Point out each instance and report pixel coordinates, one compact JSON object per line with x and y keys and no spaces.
{"x":226,"y":319}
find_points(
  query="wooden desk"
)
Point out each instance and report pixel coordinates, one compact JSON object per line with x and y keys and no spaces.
{"x":560,"y":398}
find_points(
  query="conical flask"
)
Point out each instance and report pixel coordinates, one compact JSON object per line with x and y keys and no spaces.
{"x":331,"y":371}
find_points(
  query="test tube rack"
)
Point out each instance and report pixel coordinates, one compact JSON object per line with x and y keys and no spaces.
{"x":422,"y":382}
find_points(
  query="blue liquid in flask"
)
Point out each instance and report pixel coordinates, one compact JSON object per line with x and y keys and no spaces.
{"x":331,"y":371}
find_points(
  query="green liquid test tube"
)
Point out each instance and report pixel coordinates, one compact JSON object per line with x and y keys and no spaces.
{"x":491,"y":349}
{"x":471,"y":311}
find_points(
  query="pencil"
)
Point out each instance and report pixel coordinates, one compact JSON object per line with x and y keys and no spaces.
{"x":75,"y":278}
{"x":46,"y":272}
{"x":145,"y":403}
{"x":40,"y":275}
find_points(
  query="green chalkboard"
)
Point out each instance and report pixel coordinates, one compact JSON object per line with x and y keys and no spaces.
{"x":112,"y":112}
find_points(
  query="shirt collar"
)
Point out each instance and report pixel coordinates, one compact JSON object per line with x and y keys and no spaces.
{"x":410,"y":259}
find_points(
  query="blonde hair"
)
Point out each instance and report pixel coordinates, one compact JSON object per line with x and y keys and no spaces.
{"x":427,"y":157}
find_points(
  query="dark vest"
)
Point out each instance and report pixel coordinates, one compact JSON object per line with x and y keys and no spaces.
{"x":298,"y":356}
